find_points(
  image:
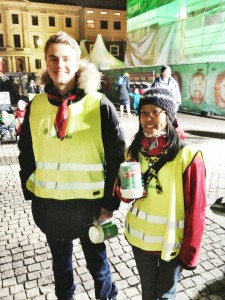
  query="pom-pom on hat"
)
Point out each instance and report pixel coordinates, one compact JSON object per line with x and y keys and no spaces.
{"x":160,"y":97}
{"x":164,"y":68}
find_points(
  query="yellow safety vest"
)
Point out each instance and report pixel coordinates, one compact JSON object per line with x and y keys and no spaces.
{"x":156,"y":223}
{"x":71,"y":168}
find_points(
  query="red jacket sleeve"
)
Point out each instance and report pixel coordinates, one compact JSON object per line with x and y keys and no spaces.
{"x":195,"y":203}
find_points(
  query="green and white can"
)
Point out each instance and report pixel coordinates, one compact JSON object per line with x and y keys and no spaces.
{"x":131,"y":181}
{"x":98,"y":233}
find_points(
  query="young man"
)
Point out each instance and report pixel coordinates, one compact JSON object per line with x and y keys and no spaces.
{"x":71,"y":146}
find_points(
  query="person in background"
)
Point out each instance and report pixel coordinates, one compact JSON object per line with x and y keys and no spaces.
{"x":7,"y":126}
{"x":165,"y":227}
{"x":24,"y":85}
{"x":20,"y":114}
{"x":31,"y":87}
{"x":31,"y":90}
{"x":71,"y":145}
{"x":165,"y":80}
{"x":136,"y":96}
{"x":124,"y":89}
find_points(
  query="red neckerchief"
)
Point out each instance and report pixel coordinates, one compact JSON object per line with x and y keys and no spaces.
{"x":61,"y":119}
{"x":153,"y":146}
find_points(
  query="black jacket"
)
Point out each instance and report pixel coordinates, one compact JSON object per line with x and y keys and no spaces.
{"x":64,"y":218}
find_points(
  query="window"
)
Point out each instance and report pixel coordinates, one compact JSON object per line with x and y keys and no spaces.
{"x":68,"y":22}
{"x":35,"y":20}
{"x":90,"y":24}
{"x":114,"y":50}
{"x":104,"y":24}
{"x":36,"y":41}
{"x":1,"y":40}
{"x":0,"y":18}
{"x":116,"y":14}
{"x":103,"y":13}
{"x":90,"y":12}
{"x":38,"y":63}
{"x":117,"y":25}
{"x":15,"y":19}
{"x":51,"y":21}
{"x":17,"y":43}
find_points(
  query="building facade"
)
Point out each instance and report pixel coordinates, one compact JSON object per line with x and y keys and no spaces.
{"x":25,"y":26}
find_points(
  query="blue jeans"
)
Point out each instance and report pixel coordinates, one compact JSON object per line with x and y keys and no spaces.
{"x":158,"y":277}
{"x":97,"y":264}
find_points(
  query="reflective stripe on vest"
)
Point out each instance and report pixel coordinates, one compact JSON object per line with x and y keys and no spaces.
{"x":75,"y":170}
{"x":157,"y":219}
{"x":152,"y":239}
{"x":156,"y":223}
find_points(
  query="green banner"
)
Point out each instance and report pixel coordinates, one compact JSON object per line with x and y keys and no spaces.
{"x":202,"y":86}
{"x":137,"y":7}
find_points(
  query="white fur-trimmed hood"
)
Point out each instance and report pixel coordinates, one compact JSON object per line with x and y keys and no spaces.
{"x":89,"y":78}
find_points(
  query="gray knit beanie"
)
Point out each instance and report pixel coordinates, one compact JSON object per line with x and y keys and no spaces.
{"x":160,"y":97}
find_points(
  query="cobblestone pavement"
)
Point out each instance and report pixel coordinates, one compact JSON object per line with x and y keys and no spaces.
{"x":25,"y":259}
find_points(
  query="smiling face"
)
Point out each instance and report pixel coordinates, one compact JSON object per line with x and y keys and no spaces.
{"x":198,"y":87}
{"x":62,"y":63}
{"x":153,"y":119}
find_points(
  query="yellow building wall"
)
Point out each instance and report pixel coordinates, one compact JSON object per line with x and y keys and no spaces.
{"x":24,"y":58}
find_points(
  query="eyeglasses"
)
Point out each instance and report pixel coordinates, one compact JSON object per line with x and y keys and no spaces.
{"x":154,"y":113}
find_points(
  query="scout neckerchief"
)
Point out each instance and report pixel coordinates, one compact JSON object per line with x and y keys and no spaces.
{"x":62,"y":113}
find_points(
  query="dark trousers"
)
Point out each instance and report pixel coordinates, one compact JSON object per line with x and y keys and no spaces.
{"x":97,"y":264}
{"x":158,"y":277}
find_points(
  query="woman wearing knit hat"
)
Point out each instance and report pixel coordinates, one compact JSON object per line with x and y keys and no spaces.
{"x":165,"y":226}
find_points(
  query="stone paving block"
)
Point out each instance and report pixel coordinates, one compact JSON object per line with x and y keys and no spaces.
{"x":131,"y":292}
{"x":9,"y":282}
{"x":16,"y":289}
{"x":133,"y":280}
{"x":31,"y":293}
{"x":29,"y":261}
{"x":4,"y":292}
{"x":7,"y":274}
{"x":122,"y":284}
{"x":21,"y":278}
{"x":26,"y":238}
{"x":34,"y":275}
{"x":39,"y":298}
{"x":4,"y":253}
{"x":126,"y":273}
{"x":34,"y":267}
{"x":10,"y":297}
{"x":183,"y":296}
{"x":30,"y":284}
{"x":85,"y":277}
{"x":44,"y":281}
